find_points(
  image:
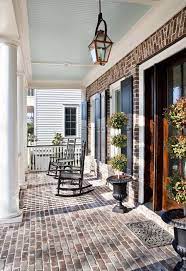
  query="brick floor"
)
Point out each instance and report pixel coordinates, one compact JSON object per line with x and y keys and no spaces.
{"x":79,"y":233}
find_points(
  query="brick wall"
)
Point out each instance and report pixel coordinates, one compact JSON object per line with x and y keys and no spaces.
{"x":168,"y":34}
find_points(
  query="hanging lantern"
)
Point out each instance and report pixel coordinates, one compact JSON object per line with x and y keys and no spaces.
{"x":101,"y":45}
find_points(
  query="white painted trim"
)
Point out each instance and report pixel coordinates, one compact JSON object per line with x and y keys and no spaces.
{"x":21,"y":16}
{"x":113,"y":88}
{"x":175,"y":48}
{"x":56,"y":84}
{"x":35,"y":112}
{"x":63,"y":64}
{"x":156,"y":17}
{"x":92,"y":134}
{"x":9,"y":40}
{"x":141,"y":2}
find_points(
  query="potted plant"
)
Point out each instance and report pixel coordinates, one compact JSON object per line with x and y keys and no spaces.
{"x":57,"y":139}
{"x":119,"y":162}
{"x":176,"y":116}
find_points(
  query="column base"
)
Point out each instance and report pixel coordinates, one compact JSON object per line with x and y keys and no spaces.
{"x":23,"y":186}
{"x":17,"y":218}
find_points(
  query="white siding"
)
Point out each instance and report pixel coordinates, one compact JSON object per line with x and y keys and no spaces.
{"x":49,"y":113}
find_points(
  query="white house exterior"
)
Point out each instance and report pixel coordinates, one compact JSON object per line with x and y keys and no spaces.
{"x":57,"y":111}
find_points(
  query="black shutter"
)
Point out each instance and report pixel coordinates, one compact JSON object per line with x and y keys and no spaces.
{"x":127,"y":107}
{"x":103,"y":126}
{"x":84,"y":121}
{"x":97,"y":111}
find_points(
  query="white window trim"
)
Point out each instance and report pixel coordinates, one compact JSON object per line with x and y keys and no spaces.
{"x":77,"y":119}
{"x":170,"y":51}
{"x":92,"y":134}
{"x":113,"y":88}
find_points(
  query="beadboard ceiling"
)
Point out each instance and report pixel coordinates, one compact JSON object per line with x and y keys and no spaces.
{"x":61,"y":30}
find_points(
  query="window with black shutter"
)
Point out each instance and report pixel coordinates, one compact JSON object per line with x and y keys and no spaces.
{"x":70,"y":121}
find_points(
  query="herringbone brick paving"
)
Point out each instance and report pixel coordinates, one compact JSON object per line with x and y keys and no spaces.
{"x":80,"y":233}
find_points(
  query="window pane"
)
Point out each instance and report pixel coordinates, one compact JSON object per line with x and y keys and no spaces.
{"x":184,"y":79}
{"x":73,"y":132}
{"x":67,"y":124}
{"x":67,"y":118}
{"x":67,"y":110}
{"x":67,"y":132}
{"x":73,"y":117}
{"x":73,"y":110}
{"x":73,"y":125}
{"x":177,"y":84}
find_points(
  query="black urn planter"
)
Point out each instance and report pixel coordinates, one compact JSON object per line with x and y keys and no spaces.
{"x":176,"y":218}
{"x":119,"y":191}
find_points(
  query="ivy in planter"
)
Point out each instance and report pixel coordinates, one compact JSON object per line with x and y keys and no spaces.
{"x":177,"y":146}
{"x":176,"y":116}
{"x":118,"y":120}
{"x":176,"y":113}
{"x":119,"y":141}
{"x":177,"y":188}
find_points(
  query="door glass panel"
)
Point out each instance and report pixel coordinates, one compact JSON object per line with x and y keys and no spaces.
{"x":177,"y":83}
{"x":184,"y":79}
{"x":177,"y":89}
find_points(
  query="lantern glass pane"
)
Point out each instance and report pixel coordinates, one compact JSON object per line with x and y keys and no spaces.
{"x":93,"y":52}
{"x":101,"y":51}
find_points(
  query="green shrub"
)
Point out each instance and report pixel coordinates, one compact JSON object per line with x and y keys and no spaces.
{"x":118,"y":120}
{"x":57,"y":139}
{"x":119,"y":141}
{"x":177,"y":188}
{"x":176,"y":113}
{"x":177,"y":147}
{"x":118,"y":162}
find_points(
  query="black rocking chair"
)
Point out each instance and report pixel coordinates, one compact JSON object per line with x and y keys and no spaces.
{"x":70,"y":180}
{"x":66,"y":158}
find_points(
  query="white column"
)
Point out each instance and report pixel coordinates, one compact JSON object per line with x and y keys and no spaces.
{"x":25,"y":128}
{"x":9,"y":188}
{"x":21,"y":135}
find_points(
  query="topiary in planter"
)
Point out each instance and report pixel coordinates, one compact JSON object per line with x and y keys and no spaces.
{"x":118,"y":162}
{"x":119,"y":141}
{"x":118,"y":120}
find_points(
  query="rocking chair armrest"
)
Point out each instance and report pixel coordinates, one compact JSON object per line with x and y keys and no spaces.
{"x":54,"y":157}
{"x":69,"y":168}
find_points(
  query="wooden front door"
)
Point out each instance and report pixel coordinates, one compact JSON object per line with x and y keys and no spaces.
{"x":164,"y":84}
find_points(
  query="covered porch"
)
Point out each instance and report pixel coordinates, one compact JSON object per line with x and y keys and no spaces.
{"x":44,"y":48}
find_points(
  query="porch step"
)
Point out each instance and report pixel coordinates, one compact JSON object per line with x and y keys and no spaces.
{"x":155,"y":217}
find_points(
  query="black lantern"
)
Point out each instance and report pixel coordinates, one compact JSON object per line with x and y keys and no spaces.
{"x":101,"y":45}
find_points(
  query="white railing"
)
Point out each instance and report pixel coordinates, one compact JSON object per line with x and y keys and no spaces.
{"x":39,"y":156}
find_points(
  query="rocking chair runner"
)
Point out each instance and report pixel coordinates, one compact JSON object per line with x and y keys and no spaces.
{"x":62,"y":159}
{"x":70,"y":180}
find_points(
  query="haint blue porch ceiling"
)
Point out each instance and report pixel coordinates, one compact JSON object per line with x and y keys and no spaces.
{"x":61,"y":30}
